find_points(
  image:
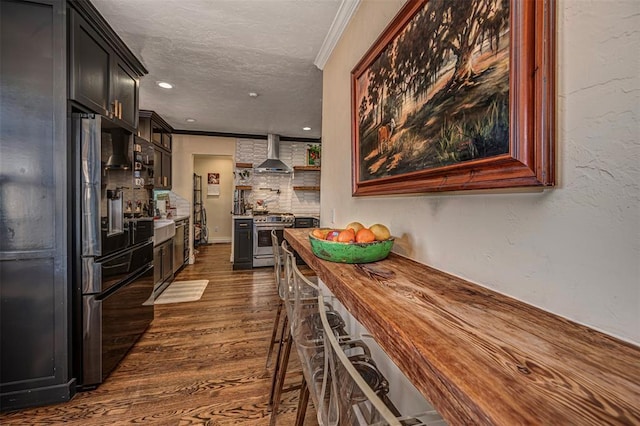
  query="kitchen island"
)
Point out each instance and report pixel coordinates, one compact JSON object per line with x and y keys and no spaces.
{"x":481,"y":357}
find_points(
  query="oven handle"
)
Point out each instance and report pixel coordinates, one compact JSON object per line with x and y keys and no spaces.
{"x":272,"y":225}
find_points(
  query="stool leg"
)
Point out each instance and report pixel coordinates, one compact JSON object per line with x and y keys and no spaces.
{"x":278,"y":365}
{"x":274,"y":334}
{"x":303,"y":401}
{"x":280,"y":382}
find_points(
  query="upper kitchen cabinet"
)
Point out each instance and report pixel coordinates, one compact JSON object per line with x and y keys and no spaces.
{"x":124,"y":93}
{"x":154,"y":129}
{"x":104,"y":74}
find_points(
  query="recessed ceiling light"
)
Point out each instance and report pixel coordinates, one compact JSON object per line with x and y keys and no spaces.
{"x":165,"y":85}
{"x":306,"y":129}
{"x":253,"y":94}
{"x":190,"y":120}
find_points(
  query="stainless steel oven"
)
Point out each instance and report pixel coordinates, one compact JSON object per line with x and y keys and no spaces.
{"x":262,"y":226}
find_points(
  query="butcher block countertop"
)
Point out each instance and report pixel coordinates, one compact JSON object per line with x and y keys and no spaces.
{"x":481,"y":357}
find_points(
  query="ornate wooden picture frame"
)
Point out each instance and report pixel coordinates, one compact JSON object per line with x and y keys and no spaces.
{"x":456,"y":98}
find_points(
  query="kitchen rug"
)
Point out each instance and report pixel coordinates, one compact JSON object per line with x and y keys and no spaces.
{"x":182,"y":291}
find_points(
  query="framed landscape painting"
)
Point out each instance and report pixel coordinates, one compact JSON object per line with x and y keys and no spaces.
{"x":456,"y":95}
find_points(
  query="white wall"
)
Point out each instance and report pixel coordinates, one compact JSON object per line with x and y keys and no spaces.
{"x":573,"y":250}
{"x":287,"y":200}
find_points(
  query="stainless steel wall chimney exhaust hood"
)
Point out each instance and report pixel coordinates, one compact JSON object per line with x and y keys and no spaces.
{"x":119,"y":142}
{"x":273,"y":164}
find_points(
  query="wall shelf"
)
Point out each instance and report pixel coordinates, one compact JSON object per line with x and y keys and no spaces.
{"x":244,"y":187}
{"x":307,"y":168}
{"x":244,"y":165}
{"x":306,"y":188}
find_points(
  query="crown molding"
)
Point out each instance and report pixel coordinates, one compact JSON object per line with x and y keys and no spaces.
{"x":345,"y":12}
{"x":242,"y":135}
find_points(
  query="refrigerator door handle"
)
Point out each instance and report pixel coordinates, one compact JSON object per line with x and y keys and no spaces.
{"x":91,"y":276}
{"x":88,"y":130}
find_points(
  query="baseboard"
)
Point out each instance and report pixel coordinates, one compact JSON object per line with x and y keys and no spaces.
{"x":219,"y":240}
{"x":37,"y":397}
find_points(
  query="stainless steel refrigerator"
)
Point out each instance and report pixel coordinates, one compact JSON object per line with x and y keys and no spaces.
{"x":113,"y":254}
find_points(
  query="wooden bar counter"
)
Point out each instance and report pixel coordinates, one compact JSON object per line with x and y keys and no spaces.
{"x":481,"y":357}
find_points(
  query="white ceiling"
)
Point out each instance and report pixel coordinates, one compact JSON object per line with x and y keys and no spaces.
{"x":215,"y":52}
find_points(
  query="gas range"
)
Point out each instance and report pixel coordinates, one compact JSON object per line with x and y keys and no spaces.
{"x":263,"y":225}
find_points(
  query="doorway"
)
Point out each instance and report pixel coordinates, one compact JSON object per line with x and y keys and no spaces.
{"x":216,"y":172}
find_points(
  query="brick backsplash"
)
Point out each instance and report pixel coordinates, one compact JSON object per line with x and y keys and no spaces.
{"x":265,"y":186}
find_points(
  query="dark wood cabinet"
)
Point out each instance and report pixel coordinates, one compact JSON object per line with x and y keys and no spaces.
{"x":35,"y":344}
{"x":154,"y":129}
{"x":161,"y":169}
{"x":101,"y":79}
{"x":243,"y":244}
{"x":166,"y":141}
{"x":90,"y":64}
{"x":162,"y":265}
{"x":156,"y":133}
{"x":56,"y":56}
{"x":125,"y":93}
{"x":166,"y":170}
{"x":181,"y":245}
{"x":161,"y":135}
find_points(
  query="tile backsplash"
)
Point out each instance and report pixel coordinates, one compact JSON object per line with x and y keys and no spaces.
{"x":277,"y":189}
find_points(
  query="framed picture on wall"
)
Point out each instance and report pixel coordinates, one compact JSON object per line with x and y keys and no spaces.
{"x":213,"y":183}
{"x":213,"y":178}
{"x":456,"y":95}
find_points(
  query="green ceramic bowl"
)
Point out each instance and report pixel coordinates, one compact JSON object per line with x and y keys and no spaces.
{"x":350,"y":252}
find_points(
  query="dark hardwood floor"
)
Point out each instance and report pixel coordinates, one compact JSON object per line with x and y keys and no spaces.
{"x":198,"y":363}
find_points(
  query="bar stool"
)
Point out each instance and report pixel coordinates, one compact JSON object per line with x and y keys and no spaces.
{"x":288,"y":294}
{"x":307,"y":332}
{"x":277,"y":272}
{"x":356,"y":390}
{"x":283,"y":272}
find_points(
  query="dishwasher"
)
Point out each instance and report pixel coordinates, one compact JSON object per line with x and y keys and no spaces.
{"x":304,"y":222}
{"x":178,"y":245}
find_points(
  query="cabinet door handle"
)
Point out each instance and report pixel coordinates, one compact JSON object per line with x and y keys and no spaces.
{"x":120,"y":110}
{"x":114,"y":109}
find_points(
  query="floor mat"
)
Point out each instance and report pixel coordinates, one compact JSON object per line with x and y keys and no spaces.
{"x":182,"y":291}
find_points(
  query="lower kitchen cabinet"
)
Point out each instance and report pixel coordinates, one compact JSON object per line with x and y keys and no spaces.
{"x":162,"y":265}
{"x":243,"y":244}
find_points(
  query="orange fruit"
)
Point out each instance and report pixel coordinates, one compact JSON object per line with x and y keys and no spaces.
{"x":365,"y":236}
{"x":346,"y":236}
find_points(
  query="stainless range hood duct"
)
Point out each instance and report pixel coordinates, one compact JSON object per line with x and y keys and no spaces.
{"x":273,"y":164}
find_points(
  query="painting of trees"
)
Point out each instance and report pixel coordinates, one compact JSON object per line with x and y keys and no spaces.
{"x":438,"y":93}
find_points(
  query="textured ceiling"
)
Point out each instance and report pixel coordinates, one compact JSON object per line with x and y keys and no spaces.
{"x":215,"y":52}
